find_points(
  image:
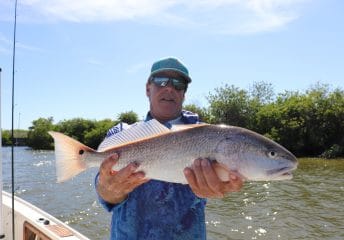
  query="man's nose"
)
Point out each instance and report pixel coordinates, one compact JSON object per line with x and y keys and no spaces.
{"x":169,"y":85}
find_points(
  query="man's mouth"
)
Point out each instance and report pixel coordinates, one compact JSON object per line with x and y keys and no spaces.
{"x":167,"y":100}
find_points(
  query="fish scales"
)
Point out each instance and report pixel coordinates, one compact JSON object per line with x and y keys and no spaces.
{"x":164,"y":155}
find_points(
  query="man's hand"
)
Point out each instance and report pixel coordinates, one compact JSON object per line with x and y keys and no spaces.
{"x":113,"y":186}
{"x":205,"y":183}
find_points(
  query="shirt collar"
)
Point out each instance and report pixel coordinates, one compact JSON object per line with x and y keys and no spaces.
{"x":167,"y":124}
{"x":186,"y":117}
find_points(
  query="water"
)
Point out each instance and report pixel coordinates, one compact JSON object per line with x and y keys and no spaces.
{"x":308,"y":207}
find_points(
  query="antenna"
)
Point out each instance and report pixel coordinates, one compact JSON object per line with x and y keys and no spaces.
{"x":2,"y":235}
{"x":12,"y":133}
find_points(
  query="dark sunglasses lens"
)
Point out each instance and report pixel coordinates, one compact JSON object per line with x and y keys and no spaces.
{"x":160,"y":81}
{"x":179,"y":84}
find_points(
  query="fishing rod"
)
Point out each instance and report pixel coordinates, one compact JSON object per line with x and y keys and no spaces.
{"x":12,"y":113}
{"x":2,"y":234}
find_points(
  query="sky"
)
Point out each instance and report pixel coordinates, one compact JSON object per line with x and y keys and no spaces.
{"x":91,"y":59}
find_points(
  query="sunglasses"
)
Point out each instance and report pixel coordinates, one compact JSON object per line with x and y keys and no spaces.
{"x":178,"y":84}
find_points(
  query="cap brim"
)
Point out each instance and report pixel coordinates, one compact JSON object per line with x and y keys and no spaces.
{"x":187,"y":78}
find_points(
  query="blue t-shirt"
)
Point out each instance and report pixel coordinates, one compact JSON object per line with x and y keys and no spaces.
{"x":158,"y":210}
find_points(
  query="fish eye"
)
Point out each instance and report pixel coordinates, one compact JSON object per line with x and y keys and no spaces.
{"x":272,"y":154}
{"x":81,"y":152}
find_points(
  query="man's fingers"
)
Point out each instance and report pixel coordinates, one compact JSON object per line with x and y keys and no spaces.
{"x":209,"y":182}
{"x":198,"y":171}
{"x":190,"y":177}
{"x":105,"y":167}
{"x":127,"y":171}
{"x":204,"y":181}
{"x":137,"y":178}
{"x":197,"y":179}
{"x":235,"y":184}
{"x":133,"y":181}
{"x":213,"y":181}
{"x":137,"y":175}
{"x":192,"y":181}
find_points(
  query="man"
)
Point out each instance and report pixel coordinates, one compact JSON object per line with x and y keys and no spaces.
{"x":152,"y":209}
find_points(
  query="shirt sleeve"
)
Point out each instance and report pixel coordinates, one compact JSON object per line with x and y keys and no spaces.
{"x":118,"y":128}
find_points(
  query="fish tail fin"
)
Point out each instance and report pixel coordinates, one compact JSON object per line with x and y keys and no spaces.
{"x":69,"y":156}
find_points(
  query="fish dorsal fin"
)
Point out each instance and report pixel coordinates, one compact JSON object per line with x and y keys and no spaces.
{"x":181,"y":127}
{"x":136,"y":132}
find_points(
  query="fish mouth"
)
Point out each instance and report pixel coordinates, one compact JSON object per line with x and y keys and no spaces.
{"x":283,"y":173}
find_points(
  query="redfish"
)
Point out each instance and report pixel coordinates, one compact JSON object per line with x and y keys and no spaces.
{"x":163,"y":153}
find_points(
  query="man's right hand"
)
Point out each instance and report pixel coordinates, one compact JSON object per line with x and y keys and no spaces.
{"x":114,"y":187}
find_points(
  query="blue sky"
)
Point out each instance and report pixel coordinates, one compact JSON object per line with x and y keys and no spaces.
{"x":91,"y":59}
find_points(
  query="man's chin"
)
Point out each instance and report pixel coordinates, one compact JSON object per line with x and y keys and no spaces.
{"x":168,"y":113}
{"x":168,"y":105}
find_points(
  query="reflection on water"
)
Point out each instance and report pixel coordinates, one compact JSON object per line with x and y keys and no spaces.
{"x":307,"y":207}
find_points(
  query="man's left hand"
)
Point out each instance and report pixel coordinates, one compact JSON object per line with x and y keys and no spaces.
{"x":205,"y":183}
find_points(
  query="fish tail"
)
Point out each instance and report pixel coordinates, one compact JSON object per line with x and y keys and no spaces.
{"x":69,"y":156}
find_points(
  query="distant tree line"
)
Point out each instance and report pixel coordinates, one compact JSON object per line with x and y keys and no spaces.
{"x":309,"y":123}
{"x":89,"y":132}
{"x":19,"y":136}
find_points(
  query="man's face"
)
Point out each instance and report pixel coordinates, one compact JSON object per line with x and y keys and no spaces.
{"x":165,"y":102}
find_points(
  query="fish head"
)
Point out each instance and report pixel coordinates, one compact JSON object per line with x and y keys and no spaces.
{"x":254,"y":156}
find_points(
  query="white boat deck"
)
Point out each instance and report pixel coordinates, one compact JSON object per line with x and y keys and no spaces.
{"x":32,"y":223}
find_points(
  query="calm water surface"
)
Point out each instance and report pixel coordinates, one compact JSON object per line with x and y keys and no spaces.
{"x":308,"y":207}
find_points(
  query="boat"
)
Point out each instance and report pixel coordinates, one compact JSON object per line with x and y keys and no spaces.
{"x":32,"y":223}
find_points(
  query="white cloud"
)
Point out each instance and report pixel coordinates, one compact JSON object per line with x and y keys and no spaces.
{"x":6,"y":46}
{"x":218,"y":16}
{"x":23,"y":46}
{"x":90,"y":10}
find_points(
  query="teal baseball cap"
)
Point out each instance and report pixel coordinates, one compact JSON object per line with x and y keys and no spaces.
{"x":170,"y":64}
